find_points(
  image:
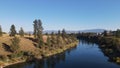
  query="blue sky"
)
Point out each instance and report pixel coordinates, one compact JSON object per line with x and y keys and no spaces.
{"x":59,"y":14}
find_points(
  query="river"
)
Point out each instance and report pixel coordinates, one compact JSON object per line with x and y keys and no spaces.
{"x":85,"y":55}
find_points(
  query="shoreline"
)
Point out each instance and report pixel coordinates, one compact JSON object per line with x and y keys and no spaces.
{"x":56,"y":51}
{"x":110,"y":46}
{"x":8,"y":64}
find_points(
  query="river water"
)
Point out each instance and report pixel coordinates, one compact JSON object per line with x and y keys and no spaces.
{"x":85,"y":55}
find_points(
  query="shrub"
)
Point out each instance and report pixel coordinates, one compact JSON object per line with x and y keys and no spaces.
{"x":16,"y":55}
{"x":4,"y":57}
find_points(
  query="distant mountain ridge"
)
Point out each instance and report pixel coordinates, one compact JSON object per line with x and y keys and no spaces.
{"x":73,"y":31}
{"x":93,"y":30}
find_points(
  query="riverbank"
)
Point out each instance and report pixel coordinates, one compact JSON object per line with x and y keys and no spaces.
{"x":84,"y":55}
{"x":109,"y":45}
{"x":50,"y":53}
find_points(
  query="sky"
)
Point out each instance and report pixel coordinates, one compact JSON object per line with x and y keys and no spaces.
{"x":59,"y":14}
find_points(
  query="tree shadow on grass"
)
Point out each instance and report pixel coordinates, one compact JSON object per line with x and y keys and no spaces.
{"x":6,"y":47}
{"x":32,"y":39}
{"x":35,"y":44}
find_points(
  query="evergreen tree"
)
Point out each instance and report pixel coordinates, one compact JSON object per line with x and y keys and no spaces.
{"x":12,"y":30}
{"x":38,"y":29}
{"x":39,"y":33}
{"x":58,"y":38}
{"x":21,"y":32}
{"x":40,"y":39}
{"x":64,"y":35}
{"x":117,"y":33}
{"x":105,"y":33}
{"x":52,"y":36}
{"x":35,"y":28}
{"x":0,"y":30}
{"x":53,"y":40}
{"x":48,"y":41}
{"x":59,"y":32}
{"x":15,"y":44}
{"x":46,"y":33}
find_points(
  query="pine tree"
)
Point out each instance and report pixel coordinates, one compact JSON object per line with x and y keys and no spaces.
{"x":118,"y":33}
{"x":21,"y":32}
{"x":48,"y":41}
{"x":59,"y":32}
{"x":35,"y":28}
{"x":12,"y":30}
{"x":40,"y":39}
{"x":53,"y":39}
{"x":105,"y":33}
{"x":0,"y":30}
{"x":38,"y":29}
{"x":46,"y":33}
{"x":64,"y":35}
{"x":15,"y":44}
{"x":52,"y":36}
{"x":58,"y":38}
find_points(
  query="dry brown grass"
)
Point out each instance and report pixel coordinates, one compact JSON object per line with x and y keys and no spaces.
{"x":25,"y":44}
{"x":5,"y":39}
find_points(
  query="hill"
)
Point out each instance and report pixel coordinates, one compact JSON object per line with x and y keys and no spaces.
{"x":93,"y":30}
{"x":28,"y":47}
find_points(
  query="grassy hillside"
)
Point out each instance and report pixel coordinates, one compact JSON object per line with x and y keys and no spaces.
{"x":25,"y":44}
{"x":28,"y":49}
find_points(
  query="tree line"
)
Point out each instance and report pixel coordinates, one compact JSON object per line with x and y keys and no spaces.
{"x":54,"y":39}
{"x":112,"y":33}
{"x":55,"y":42}
{"x":13,"y":31}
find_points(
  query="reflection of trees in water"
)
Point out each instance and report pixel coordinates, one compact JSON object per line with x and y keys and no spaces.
{"x":89,"y":42}
{"x":111,"y":53}
{"x":39,"y":64}
{"x":21,"y":65}
{"x":108,"y":50}
{"x":68,"y":51}
{"x":51,"y":61}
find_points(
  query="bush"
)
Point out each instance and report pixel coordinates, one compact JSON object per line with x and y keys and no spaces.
{"x":4,"y":57}
{"x":16,"y":55}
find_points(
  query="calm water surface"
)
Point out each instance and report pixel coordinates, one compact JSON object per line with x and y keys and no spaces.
{"x":85,"y":55}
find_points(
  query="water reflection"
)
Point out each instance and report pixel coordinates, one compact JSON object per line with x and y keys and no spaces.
{"x":86,"y":55}
{"x":113,"y":54}
{"x":87,"y":42}
{"x":49,"y":62}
